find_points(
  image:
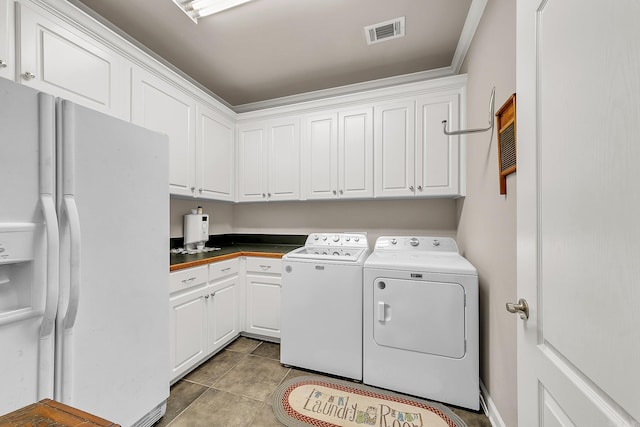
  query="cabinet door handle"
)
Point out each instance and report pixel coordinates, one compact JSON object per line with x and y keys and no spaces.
{"x":341,"y":192}
{"x":193,"y":189}
{"x":411,"y":188}
{"x":206,"y":296}
{"x":268,"y":194}
{"x":265,"y":267}
{"x":213,"y":294}
{"x":3,"y":64}
{"x":264,"y":195}
{"x":190,"y":279}
{"x":334,"y":192}
{"x":226,"y":269}
{"x":28,"y":76}
{"x":419,"y":187}
{"x":200,"y":190}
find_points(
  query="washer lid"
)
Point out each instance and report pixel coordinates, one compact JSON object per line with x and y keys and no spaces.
{"x":427,"y":262}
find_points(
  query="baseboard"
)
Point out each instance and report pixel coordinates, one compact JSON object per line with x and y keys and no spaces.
{"x":489,"y":408}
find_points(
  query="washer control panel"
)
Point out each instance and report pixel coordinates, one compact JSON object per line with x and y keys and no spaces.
{"x":351,"y":240}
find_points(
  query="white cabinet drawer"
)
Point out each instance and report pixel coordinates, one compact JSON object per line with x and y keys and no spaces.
{"x":220,"y":269}
{"x":264,"y":265}
{"x":187,"y":278}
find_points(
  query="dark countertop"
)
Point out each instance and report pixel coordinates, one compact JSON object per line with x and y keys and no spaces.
{"x":235,"y":245}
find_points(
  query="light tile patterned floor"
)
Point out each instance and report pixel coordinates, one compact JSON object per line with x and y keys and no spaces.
{"x":234,"y":389}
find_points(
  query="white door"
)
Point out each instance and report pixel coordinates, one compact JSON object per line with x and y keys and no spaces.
{"x":214,"y":156}
{"x":578,"y":118}
{"x":394,"y":142}
{"x":223,"y":312}
{"x":263,"y":305}
{"x":252,"y":162}
{"x":160,"y":106}
{"x":7,"y":55}
{"x":65,"y":62}
{"x":437,"y":155}
{"x":284,"y":159}
{"x":187,"y":330}
{"x":321,"y":156}
{"x":355,"y":153}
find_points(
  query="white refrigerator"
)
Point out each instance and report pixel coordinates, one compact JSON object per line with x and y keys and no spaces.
{"x":84,"y":260}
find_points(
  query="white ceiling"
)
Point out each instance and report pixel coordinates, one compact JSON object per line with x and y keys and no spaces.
{"x":268,"y":49}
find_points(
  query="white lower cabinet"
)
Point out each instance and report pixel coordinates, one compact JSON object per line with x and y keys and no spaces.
{"x":222,"y":304}
{"x":204,"y":316}
{"x":263,"y":280}
{"x":188,"y":319}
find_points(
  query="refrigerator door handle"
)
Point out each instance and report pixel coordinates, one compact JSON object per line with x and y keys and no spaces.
{"x":53,"y":255}
{"x":74,"y":258}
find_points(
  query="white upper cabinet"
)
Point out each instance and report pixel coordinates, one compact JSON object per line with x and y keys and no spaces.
{"x":269,"y":160}
{"x":284,"y":159}
{"x":437,"y":155}
{"x":252,"y":162}
{"x":394,"y":141}
{"x":339,"y":155}
{"x":163,"y":107}
{"x":7,"y":53}
{"x":355,"y":153}
{"x":321,"y":156}
{"x":215,"y":166}
{"x":414,"y":158}
{"x":63,"y":61}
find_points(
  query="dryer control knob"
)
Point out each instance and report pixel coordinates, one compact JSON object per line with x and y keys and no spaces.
{"x":394,"y":242}
{"x":336,"y":238}
{"x":316,"y":237}
{"x":356,"y":239}
{"x":324,"y":237}
{"x":414,"y":242}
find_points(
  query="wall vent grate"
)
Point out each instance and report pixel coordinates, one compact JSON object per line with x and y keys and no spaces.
{"x":384,"y":31}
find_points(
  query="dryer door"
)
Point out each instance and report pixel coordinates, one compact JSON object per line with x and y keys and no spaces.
{"x":428,"y":317}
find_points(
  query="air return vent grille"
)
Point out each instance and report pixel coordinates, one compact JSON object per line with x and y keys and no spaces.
{"x":385,"y":30}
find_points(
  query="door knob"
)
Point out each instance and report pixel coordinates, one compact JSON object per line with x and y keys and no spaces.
{"x":28,"y":76}
{"x":521,"y":308}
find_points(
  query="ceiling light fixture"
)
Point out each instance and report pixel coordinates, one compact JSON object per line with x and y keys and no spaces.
{"x":200,"y":8}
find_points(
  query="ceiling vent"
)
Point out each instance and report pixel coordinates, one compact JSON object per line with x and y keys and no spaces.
{"x":385,"y":30}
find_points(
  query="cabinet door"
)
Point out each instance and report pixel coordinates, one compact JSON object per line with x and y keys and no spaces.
{"x":187,"y":330}
{"x":394,"y":145}
{"x":223,"y":312}
{"x":160,"y":106}
{"x":437,"y":155}
{"x":355,"y":153}
{"x":7,"y":53}
{"x":321,"y":152}
{"x":263,"y":305}
{"x":252,"y":162}
{"x":284,"y":160}
{"x":63,"y":61}
{"x":215,"y":160}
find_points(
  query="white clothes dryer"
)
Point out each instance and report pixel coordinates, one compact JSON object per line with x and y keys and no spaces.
{"x":421,"y":320}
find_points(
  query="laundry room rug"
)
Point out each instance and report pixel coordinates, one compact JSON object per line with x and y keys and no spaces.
{"x":326,"y":402}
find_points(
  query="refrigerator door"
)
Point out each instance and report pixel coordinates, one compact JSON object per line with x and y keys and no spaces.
{"x":112,"y":342}
{"x":28,"y":246}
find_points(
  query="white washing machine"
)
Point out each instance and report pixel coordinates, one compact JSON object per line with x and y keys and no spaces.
{"x":421,"y":320}
{"x":321,"y":304}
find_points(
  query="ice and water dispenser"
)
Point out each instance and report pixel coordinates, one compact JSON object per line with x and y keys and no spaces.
{"x":18,"y":281}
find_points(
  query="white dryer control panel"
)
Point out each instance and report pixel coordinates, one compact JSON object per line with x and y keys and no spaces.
{"x":422,"y":244}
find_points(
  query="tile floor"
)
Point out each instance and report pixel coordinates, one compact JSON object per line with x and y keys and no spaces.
{"x":234,"y":388}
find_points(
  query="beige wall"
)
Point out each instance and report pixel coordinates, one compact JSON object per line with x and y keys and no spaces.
{"x":377,"y":217}
{"x":487,"y":220}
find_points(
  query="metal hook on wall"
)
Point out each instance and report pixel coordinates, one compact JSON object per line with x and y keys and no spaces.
{"x":491,"y":120}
